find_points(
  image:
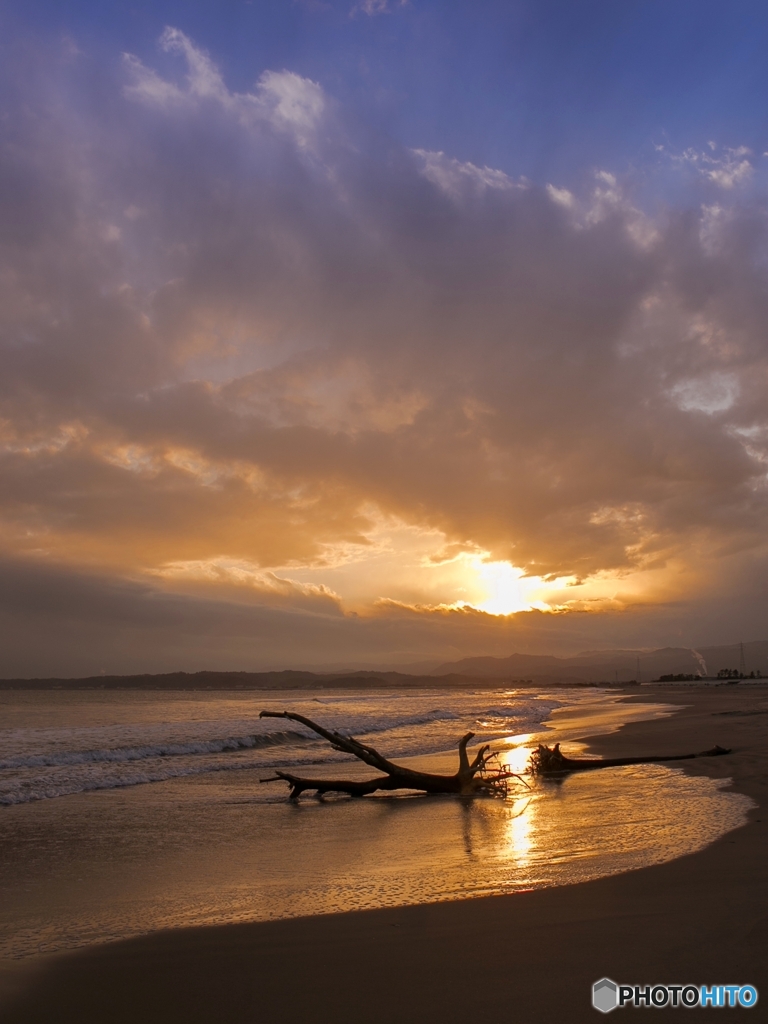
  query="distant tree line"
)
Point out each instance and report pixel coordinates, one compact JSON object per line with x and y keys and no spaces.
{"x":732,"y":673}
{"x":724,"y":673}
{"x":679,"y":677}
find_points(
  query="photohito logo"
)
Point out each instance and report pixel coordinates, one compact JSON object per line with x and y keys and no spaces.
{"x":607,"y":995}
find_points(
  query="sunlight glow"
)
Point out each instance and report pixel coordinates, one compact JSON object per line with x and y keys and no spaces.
{"x":504,"y":589}
{"x":507,"y":589}
{"x":402,"y":565}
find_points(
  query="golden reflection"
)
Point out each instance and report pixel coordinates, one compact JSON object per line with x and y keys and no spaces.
{"x":520,"y":829}
{"x":515,"y":756}
{"x":519,"y":825}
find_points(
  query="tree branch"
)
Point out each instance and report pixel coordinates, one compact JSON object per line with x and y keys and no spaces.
{"x":471,"y":779}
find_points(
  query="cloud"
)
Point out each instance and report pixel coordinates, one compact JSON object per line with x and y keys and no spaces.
{"x":375,"y":7}
{"x":715,"y":393}
{"x":731,"y":169}
{"x":561,"y":196}
{"x":454,"y":177}
{"x":290,"y":103}
{"x":239,"y":580}
{"x":148,"y":86}
{"x":295,"y":103}
{"x":724,"y":167}
{"x":203,"y":75}
{"x":606,"y":199}
{"x":236,"y":339}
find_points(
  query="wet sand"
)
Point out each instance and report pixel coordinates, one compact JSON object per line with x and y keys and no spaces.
{"x":701,"y":919}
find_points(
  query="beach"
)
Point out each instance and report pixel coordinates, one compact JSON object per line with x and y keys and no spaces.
{"x":527,"y":956}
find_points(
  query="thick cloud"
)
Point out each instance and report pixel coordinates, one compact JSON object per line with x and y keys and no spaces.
{"x":237,"y":335}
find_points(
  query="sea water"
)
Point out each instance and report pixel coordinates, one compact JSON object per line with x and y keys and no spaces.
{"x":124,"y":812}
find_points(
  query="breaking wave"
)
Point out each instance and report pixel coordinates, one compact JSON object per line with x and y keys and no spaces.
{"x":123,"y":754}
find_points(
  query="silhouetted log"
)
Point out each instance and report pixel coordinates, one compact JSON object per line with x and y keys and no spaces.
{"x":550,"y":761}
{"x":481,"y":776}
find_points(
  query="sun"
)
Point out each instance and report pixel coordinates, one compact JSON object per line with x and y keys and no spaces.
{"x":507,"y":590}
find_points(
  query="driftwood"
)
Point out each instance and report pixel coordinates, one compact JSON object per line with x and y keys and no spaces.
{"x":483,"y":776}
{"x":550,"y":761}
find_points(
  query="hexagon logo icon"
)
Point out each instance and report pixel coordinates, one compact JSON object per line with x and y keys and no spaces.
{"x":605,"y":995}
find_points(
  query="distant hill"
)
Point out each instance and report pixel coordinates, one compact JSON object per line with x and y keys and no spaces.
{"x":612,"y":666}
{"x":518,"y":669}
{"x":287,"y":680}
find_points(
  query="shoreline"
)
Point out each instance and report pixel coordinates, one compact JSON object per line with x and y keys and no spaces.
{"x":699,"y":919}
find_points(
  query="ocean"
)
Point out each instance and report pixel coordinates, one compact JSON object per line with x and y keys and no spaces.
{"x":123,"y":812}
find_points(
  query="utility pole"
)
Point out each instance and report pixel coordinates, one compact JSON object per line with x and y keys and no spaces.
{"x":742,"y":662}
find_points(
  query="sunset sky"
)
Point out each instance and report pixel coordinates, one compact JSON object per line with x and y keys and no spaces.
{"x":379,"y":332}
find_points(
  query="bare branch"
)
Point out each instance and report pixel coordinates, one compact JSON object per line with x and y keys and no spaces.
{"x":470,"y":780}
{"x":346,"y":744}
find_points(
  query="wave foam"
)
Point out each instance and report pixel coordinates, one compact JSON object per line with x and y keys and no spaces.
{"x":123,"y":754}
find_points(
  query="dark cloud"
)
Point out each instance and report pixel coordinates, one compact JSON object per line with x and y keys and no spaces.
{"x":231,"y":329}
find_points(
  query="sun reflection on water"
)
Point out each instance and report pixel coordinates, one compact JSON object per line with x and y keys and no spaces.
{"x":515,"y":752}
{"x":520,"y":830}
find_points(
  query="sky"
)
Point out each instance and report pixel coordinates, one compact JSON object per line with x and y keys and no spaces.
{"x":380,"y":333}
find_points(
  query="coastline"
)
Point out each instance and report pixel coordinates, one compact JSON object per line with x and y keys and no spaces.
{"x":700,"y":919}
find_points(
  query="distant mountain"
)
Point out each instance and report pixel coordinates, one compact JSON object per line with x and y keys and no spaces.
{"x":411,"y":668}
{"x":536,"y":669}
{"x":516,"y":665}
{"x":612,"y":666}
{"x":287,"y":680}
